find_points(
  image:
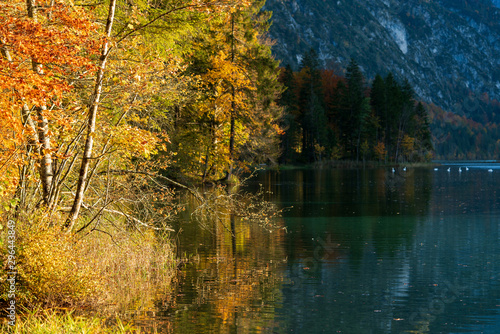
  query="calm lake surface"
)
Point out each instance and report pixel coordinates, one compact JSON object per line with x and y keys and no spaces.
{"x":364,"y":251}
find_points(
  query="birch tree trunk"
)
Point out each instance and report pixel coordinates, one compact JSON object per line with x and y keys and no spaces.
{"x":93,"y":108}
{"x":46,"y":166}
{"x":42,"y":128}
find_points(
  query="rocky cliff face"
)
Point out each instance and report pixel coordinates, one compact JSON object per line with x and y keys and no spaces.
{"x":449,"y":50}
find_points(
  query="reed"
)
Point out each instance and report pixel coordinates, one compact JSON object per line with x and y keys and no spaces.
{"x":109,"y":271}
{"x":42,"y":321}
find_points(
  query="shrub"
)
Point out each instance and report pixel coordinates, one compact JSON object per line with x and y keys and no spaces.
{"x":117,"y":265}
{"x":52,"y":269}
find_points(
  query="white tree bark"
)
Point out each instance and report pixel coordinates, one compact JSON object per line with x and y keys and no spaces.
{"x":39,"y":139}
{"x":93,"y":108}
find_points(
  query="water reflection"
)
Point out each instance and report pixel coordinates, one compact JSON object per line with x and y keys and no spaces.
{"x":366,"y":251}
{"x":231,"y":279}
{"x":334,"y":193}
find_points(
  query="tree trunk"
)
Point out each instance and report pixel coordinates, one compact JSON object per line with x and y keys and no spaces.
{"x":6,"y":52}
{"x":39,"y":139}
{"x":33,"y":147}
{"x":31,"y":7}
{"x":45,"y":159}
{"x":231,"y":142}
{"x":93,"y":108}
{"x":233,"y":108}
{"x":46,"y":166}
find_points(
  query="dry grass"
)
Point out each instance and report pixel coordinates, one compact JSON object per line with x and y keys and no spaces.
{"x":52,"y":269}
{"x":112,"y":270}
{"x":137,"y":266}
{"x":52,"y":322}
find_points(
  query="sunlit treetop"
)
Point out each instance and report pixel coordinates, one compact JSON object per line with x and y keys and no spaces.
{"x":44,"y":48}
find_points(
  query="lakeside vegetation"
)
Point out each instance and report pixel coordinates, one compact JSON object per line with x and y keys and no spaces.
{"x":108,"y":109}
{"x":48,"y":321}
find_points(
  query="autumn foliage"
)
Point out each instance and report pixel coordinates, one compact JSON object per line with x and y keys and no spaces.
{"x":106,"y":107}
{"x":60,"y":40}
{"x":46,"y":50}
{"x":86,"y":105}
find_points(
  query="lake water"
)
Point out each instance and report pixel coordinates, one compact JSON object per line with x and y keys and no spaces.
{"x":364,"y":251}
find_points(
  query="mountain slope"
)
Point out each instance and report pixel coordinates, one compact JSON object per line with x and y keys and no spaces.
{"x":449,"y":50}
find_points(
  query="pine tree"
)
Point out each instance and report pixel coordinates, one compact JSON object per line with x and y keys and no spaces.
{"x":378,"y":101}
{"x":423,"y":133}
{"x":290,"y":139}
{"x":234,"y":110}
{"x":405,"y":101}
{"x":311,"y":107}
{"x":342,"y":115}
{"x":265,"y":113}
{"x":358,"y":107}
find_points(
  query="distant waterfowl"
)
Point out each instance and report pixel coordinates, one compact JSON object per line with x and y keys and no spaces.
{"x":448,"y":170}
{"x":466,"y":168}
{"x":404,"y":169}
{"x":490,"y":170}
{"x":436,"y":168}
{"x":393,"y":170}
{"x":460,"y":169}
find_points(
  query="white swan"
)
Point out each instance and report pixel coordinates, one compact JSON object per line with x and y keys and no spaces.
{"x":460,"y":169}
{"x":490,"y":170}
{"x":449,"y":169}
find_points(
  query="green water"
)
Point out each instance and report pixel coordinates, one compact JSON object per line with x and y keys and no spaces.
{"x":365,"y":251}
